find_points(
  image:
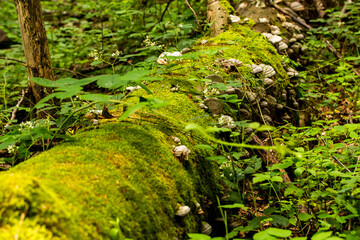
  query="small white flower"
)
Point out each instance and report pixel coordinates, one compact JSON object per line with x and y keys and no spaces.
{"x":225,"y":120}
{"x":12,"y":149}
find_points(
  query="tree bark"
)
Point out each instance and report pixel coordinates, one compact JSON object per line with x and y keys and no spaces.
{"x":35,"y":45}
{"x":218,"y":15}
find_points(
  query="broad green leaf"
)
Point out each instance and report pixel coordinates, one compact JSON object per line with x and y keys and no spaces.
{"x":135,"y":75}
{"x":7,"y":141}
{"x":109,"y":81}
{"x":96,"y":97}
{"x":283,"y":165}
{"x":254,"y":125}
{"x":67,"y":94}
{"x":276,"y":179}
{"x":304,"y":217}
{"x":321,"y":236}
{"x":299,"y":238}
{"x":198,"y":236}
{"x":43,"y":82}
{"x":279,"y":221}
{"x":354,"y":135}
{"x":260,"y":178}
{"x":277,"y":232}
{"x":264,"y":235}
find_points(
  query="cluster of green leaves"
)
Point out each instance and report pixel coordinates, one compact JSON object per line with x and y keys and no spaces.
{"x":341,"y":29}
{"x":70,"y":105}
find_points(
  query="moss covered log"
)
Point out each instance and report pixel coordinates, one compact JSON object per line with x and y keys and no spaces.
{"x":122,"y":180}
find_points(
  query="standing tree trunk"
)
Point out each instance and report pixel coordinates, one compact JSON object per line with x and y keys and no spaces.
{"x":218,"y":15}
{"x":35,"y":45}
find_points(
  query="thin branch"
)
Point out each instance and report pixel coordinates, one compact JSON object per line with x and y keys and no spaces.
{"x":196,"y":17}
{"x":341,"y":163}
{"x":13,"y":114}
{"x":60,"y":69}
{"x":166,"y":8}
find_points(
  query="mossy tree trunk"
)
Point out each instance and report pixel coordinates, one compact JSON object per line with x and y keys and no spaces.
{"x":35,"y":45}
{"x":218,"y":15}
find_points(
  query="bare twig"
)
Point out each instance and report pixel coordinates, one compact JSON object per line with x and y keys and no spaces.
{"x":341,"y":163}
{"x":166,"y":8}
{"x":13,"y":114}
{"x":196,"y":17}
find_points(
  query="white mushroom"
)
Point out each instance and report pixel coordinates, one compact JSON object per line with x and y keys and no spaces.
{"x":234,"y":19}
{"x":267,"y":70}
{"x":182,"y":211}
{"x":263,"y":20}
{"x":296,"y":6}
{"x":256,"y":69}
{"x":182,"y":152}
{"x":282,"y":46}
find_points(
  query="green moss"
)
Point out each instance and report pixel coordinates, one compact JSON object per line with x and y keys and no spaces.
{"x":133,"y":177}
{"x":227,"y":6}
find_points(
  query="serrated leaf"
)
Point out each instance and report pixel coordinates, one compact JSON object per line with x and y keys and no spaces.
{"x":109,"y":81}
{"x":260,"y":178}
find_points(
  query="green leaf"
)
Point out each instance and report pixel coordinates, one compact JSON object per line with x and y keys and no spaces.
{"x":132,"y":109}
{"x":95,"y":63}
{"x":109,"y":81}
{"x":277,"y":232}
{"x":145,"y":88}
{"x":265,"y":128}
{"x":235,"y":205}
{"x":219,"y":159}
{"x":204,"y":146}
{"x":43,"y":82}
{"x":96,"y":97}
{"x":321,"y":236}
{"x":279,"y":221}
{"x":260,"y":178}
{"x":198,"y":236}
{"x":276,"y":179}
{"x":354,"y":135}
{"x":135,"y":75}
{"x":263,"y":236}
{"x":304,"y":217}
{"x":7,"y":141}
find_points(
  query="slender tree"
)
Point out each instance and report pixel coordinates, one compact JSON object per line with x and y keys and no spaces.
{"x":35,"y":45}
{"x":217,"y":14}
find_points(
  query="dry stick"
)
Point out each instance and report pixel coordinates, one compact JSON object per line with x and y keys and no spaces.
{"x":344,"y":7}
{"x":13,"y":114}
{"x":308,"y":27}
{"x":166,"y":8}
{"x":196,"y":17}
{"x":341,"y":163}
